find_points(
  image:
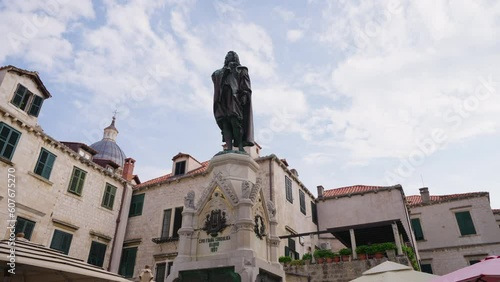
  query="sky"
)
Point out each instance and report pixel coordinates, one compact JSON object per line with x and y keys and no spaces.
{"x":348,"y":92}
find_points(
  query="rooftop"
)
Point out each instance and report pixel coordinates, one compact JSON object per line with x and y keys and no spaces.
{"x":416,"y":200}
{"x":170,"y":176}
{"x":356,"y":189}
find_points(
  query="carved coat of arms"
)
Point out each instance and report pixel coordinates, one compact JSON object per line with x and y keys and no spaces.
{"x":215,"y":222}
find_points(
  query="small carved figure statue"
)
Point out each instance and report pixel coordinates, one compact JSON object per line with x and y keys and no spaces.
{"x":189,"y":200}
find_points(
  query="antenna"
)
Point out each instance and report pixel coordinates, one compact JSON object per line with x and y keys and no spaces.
{"x":423,"y":185}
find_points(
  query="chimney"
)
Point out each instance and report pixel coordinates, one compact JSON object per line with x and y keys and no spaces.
{"x":320,"y":191}
{"x":294,"y":172}
{"x":128,"y":169}
{"x":424,"y":194}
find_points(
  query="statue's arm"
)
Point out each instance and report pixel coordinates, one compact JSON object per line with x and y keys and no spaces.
{"x":244,"y":82}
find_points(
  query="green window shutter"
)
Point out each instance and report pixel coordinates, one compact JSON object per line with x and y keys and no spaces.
{"x":61,"y":241}
{"x":288,"y":187}
{"x":109,"y":196}
{"x":25,"y":226}
{"x":165,"y":228}
{"x":77,"y":180}
{"x":465,"y":223}
{"x":160,"y":271}
{"x":302,"y":198}
{"x":97,"y":254}
{"x":180,"y":168}
{"x":45,"y":163}
{"x":417,"y":229}
{"x":36,"y":106}
{"x":136,"y":205}
{"x":177,"y":222}
{"x":8,"y":140}
{"x":21,"y":97}
{"x":314,"y":213}
{"x":127,"y":262}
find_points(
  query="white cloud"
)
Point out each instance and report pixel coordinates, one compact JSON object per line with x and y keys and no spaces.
{"x":294,"y":35}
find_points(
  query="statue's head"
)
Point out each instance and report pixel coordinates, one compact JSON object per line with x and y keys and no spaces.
{"x":231,"y":57}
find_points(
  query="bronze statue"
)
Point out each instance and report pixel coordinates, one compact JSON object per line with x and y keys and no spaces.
{"x":233,"y":103}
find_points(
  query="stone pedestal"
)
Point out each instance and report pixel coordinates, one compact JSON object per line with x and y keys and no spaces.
{"x":230,"y":233}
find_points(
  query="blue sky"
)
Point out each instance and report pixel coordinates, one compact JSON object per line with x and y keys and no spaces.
{"x":349,"y":92}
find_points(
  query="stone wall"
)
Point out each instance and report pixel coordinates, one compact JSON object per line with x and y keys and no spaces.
{"x":334,"y":272}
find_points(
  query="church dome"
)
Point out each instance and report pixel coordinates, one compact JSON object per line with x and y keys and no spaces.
{"x":107,"y":148}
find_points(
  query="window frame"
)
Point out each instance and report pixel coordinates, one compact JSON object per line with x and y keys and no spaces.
{"x":135,"y":208}
{"x":29,"y":102}
{"x":180,"y":168}
{"x":419,"y":220}
{"x":26,"y":223}
{"x":79,"y":182}
{"x":101,"y":254}
{"x":302,"y":200}
{"x":157,"y":277}
{"x":58,"y":232}
{"x":108,"y":198}
{"x":47,"y":165}
{"x":288,"y":189}
{"x":127,"y":264}
{"x":462,"y":228}
{"x":314,"y":213}
{"x":7,"y":141}
{"x":165,"y":228}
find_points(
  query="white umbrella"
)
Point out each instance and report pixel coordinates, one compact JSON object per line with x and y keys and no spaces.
{"x":37,"y":263}
{"x":391,"y":271}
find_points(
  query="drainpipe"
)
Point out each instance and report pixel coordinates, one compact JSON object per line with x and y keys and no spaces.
{"x":117,"y":225}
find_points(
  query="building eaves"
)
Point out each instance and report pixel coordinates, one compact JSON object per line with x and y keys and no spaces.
{"x":349,"y":191}
{"x":33,"y":75}
{"x":165,"y":179}
{"x":416,"y":200}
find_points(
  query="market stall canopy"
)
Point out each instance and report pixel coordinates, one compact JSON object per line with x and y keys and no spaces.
{"x":390,"y":271}
{"x":37,"y":263}
{"x":487,"y":270}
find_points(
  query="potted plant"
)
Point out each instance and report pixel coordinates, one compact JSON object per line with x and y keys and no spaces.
{"x":284,"y":260}
{"x":296,"y":262}
{"x":379,"y":250}
{"x":336,"y":257}
{"x":362,"y":251}
{"x":320,"y":255}
{"x":390,"y":249}
{"x":345,"y":253}
{"x":329,"y":256}
{"x":307,"y":257}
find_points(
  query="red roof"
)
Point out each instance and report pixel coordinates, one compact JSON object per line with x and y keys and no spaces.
{"x":165,"y":178}
{"x":356,"y":189}
{"x":415,"y":200}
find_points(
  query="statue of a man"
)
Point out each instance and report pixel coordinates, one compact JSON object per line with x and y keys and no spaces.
{"x":233,"y":103}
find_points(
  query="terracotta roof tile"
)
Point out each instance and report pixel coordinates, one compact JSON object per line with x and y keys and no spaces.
{"x":356,"y":189}
{"x":165,"y":178}
{"x":416,"y":200}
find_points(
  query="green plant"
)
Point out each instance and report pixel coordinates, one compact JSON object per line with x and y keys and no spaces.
{"x":285,"y":259}
{"x":322,"y":253}
{"x":363,"y":249}
{"x":297,"y":262}
{"x":411,"y":256}
{"x":378,"y":248}
{"x":345,"y":252}
{"x":307,"y":256}
{"x":389,"y":246}
{"x":330,"y":254}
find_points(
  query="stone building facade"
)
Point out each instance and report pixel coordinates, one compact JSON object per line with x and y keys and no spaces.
{"x":59,"y":197}
{"x":453,"y":231}
{"x":152,"y":237}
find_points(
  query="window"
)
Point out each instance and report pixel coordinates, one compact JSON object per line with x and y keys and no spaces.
{"x":109,"y":196}
{"x":465,"y":223}
{"x":180,"y":168}
{"x":177,"y":222}
{"x":127,"y":262}
{"x":136,"y":205}
{"x":25,"y":226}
{"x":302,"y":198}
{"x":8,"y":140}
{"x":417,"y":229}
{"x":288,"y":187}
{"x":290,"y":250}
{"x":27,"y":101}
{"x":165,"y":227}
{"x":314,"y":213}
{"x":160,"y":272}
{"x":61,"y":241}
{"x":97,"y":253}
{"x":44,"y":164}
{"x":169,"y":267}
{"x":426,"y":267}
{"x":167,"y":219}
{"x":77,"y":179}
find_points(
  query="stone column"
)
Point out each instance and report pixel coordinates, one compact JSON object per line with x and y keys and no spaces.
{"x":353,"y":244}
{"x":185,"y":233}
{"x":244,"y":224}
{"x":274,"y":242}
{"x":395,"y":231}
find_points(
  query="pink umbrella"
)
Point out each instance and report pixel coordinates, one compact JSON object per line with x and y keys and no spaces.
{"x":487,"y":270}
